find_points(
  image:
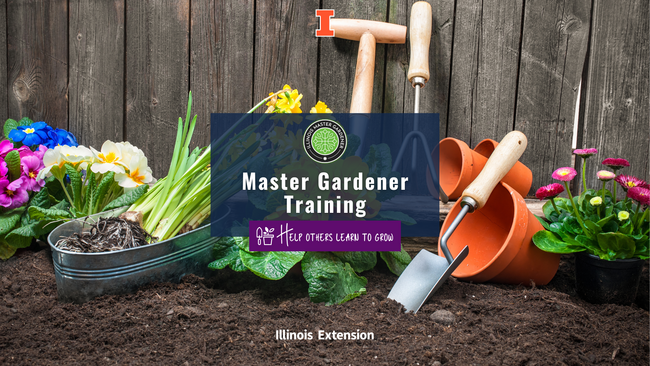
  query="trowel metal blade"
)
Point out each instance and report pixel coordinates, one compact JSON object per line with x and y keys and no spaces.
{"x":422,"y":277}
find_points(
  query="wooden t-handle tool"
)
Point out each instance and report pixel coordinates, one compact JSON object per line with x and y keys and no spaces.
{"x":368,"y":33}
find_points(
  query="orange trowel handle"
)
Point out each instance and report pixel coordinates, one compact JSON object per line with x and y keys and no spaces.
{"x":498,"y":165}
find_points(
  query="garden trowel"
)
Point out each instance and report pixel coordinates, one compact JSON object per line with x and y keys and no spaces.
{"x":427,"y":271}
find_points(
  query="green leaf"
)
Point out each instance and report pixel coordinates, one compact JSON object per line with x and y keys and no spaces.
{"x":543,"y":222}
{"x":359,"y":261}
{"x":226,"y":253}
{"x":6,"y":250}
{"x":17,"y":241}
{"x":38,"y":213}
{"x":549,"y":242}
{"x":610,"y":227}
{"x":379,"y":160}
{"x":591,"y":245}
{"x":616,"y":245}
{"x":13,"y":164}
{"x":100,"y":192}
{"x":62,"y":205}
{"x":572,"y":225}
{"x":34,"y":230}
{"x":25,"y":121}
{"x":75,"y":183}
{"x":263,"y":169}
{"x":275,"y":200}
{"x":353,"y":144}
{"x":127,"y":199}
{"x":10,"y":124}
{"x":8,"y":220}
{"x":604,"y":221}
{"x":330,"y":280}
{"x":397,"y":216}
{"x":270,"y":265}
{"x":592,"y":229}
{"x":41,"y":199}
{"x":89,"y":191}
{"x":396,"y":261}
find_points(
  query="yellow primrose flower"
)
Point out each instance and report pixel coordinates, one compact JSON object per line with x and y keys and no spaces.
{"x":289,"y":102}
{"x":139,"y":173}
{"x":596,"y":201}
{"x":623,"y":215}
{"x":108,"y":159}
{"x":320,"y":108}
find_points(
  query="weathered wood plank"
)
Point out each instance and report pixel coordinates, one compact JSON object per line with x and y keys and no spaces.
{"x":157,"y":62}
{"x":3,"y":60}
{"x":37,"y":60}
{"x":339,"y":57}
{"x":484,"y":71}
{"x":554,"y":46}
{"x":96,"y":40}
{"x":221,"y":65}
{"x":617,"y":106}
{"x":286,"y":51}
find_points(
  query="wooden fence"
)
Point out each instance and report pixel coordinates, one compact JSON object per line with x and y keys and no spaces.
{"x":121,"y":69}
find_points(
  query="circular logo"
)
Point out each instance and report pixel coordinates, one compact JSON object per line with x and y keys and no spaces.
{"x":325,"y":141}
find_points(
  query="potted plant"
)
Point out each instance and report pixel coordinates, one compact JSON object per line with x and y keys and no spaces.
{"x":609,"y":236}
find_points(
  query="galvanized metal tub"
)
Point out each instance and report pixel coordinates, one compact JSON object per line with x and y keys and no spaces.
{"x":80,"y":277}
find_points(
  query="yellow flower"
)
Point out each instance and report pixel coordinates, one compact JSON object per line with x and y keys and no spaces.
{"x":320,"y":108}
{"x":288,"y":102}
{"x":623,"y":215}
{"x":596,"y":201}
{"x":139,"y":172}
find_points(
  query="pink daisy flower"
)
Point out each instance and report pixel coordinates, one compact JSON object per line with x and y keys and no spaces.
{"x":3,"y":169}
{"x":564,"y":174}
{"x":585,"y":153}
{"x":616,"y":163}
{"x":549,"y":191}
{"x":628,"y":181}
{"x":639,"y":194}
{"x":605,"y":175}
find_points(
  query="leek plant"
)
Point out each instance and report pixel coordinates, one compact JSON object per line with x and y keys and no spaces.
{"x":182,"y":200}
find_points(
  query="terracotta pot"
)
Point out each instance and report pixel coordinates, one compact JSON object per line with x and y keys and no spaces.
{"x":519,"y":177}
{"x":601,"y":281}
{"x":499,"y":237}
{"x":458,"y":166}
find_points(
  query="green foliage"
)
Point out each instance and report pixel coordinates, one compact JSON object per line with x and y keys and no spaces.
{"x":75,"y":183}
{"x":13,"y":164}
{"x":359,"y":261}
{"x":127,"y":199}
{"x":396,"y":261}
{"x":601,"y":232}
{"x":331,"y":280}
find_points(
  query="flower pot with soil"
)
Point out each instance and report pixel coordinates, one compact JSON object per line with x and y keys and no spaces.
{"x":609,"y":236}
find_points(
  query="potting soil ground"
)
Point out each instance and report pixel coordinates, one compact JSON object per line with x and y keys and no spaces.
{"x":232,"y":318}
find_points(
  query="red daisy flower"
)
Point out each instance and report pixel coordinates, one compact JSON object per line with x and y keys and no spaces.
{"x":549,"y":191}
{"x":640,"y":194}
{"x":585,"y":153}
{"x":628,"y":181}
{"x":564,"y":174}
{"x":616,"y":163}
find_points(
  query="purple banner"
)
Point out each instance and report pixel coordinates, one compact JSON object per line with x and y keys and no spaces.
{"x":325,"y":236}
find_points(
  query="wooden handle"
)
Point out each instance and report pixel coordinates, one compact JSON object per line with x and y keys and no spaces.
{"x":420,"y":38}
{"x":500,"y":162}
{"x":353,"y":29}
{"x":364,"y":76}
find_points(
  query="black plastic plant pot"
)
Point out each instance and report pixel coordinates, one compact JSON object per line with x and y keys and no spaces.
{"x":600,"y":281}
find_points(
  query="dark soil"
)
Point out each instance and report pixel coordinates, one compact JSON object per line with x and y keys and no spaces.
{"x":232,"y":318}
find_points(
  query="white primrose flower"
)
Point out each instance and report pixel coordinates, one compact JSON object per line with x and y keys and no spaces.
{"x":107,"y":160}
{"x":139,"y":172}
{"x":51,"y":158}
{"x":79,"y":156}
